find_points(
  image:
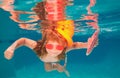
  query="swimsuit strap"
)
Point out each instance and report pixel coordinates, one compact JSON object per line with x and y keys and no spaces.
{"x":65,"y":63}
{"x":66,"y":71}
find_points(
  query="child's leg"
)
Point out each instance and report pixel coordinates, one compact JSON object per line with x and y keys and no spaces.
{"x":53,"y":66}
{"x":62,"y":69}
{"x":59,"y":67}
{"x":48,"y":67}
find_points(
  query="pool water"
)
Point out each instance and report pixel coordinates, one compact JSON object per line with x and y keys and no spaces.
{"x":103,"y":62}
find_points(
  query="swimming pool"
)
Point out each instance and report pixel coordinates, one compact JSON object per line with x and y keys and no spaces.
{"x":103,"y":62}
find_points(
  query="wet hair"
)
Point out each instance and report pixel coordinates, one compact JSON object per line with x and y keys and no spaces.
{"x":50,"y":35}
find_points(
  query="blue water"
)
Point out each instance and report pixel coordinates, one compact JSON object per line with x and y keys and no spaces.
{"x":103,"y":62}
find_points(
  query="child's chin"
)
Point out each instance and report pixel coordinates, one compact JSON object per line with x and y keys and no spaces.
{"x":54,"y":55}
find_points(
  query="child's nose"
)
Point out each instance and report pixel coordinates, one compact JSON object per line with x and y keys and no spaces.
{"x":54,"y":48}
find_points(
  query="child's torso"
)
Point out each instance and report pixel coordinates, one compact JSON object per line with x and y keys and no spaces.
{"x":49,"y":59}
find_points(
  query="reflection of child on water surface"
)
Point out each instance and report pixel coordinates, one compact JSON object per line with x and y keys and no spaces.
{"x":55,"y":43}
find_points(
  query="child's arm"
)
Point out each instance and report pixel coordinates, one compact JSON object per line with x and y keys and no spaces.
{"x":81,"y":45}
{"x":20,"y":42}
{"x":78,"y":45}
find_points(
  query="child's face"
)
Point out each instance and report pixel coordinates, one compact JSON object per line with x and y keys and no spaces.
{"x":53,"y":48}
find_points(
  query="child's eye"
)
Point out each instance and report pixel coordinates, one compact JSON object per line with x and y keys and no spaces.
{"x":49,"y":46}
{"x":59,"y":47}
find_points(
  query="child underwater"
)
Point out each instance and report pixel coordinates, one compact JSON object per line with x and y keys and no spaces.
{"x":51,"y":49}
{"x":57,"y":33}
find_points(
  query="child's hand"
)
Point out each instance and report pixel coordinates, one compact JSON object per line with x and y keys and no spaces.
{"x":90,"y":40}
{"x":96,"y":44}
{"x":8,"y":54}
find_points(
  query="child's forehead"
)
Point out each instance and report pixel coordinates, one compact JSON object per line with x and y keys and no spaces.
{"x":51,"y":41}
{"x":54,"y":42}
